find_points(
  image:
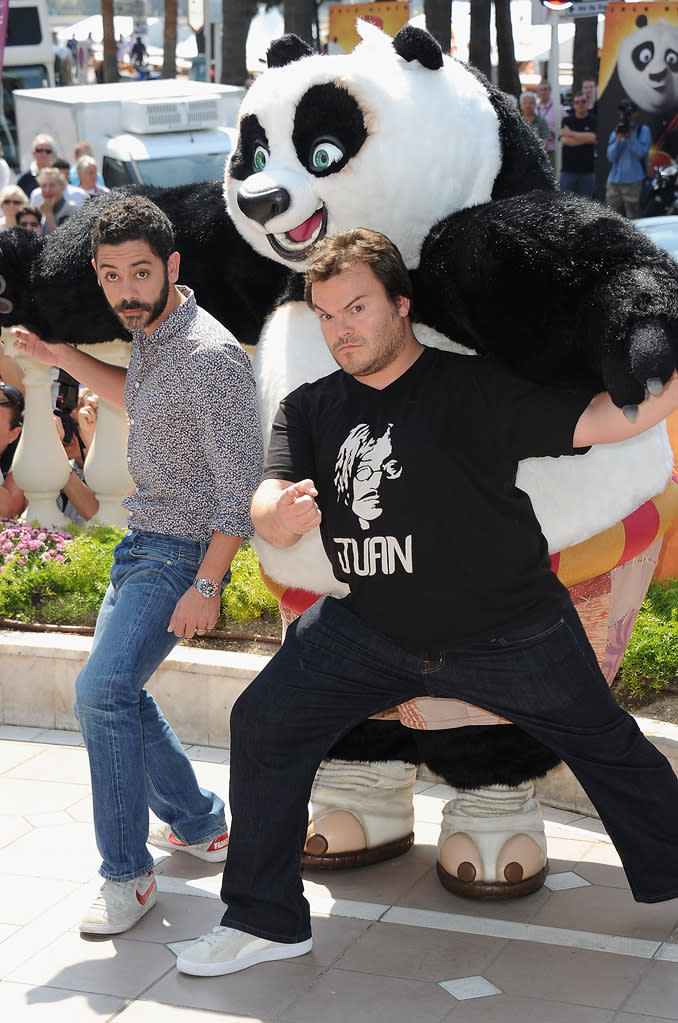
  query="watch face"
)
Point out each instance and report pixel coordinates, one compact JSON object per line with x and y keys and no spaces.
{"x":207,"y":587}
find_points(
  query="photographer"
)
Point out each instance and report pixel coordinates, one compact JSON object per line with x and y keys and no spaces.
{"x":627,"y":151}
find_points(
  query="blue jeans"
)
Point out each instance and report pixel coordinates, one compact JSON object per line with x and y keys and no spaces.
{"x":582,"y":184}
{"x":136,"y":760}
{"x":333,"y":672}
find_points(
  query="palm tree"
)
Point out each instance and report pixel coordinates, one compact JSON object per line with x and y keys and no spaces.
{"x":110,"y":72}
{"x":479,"y":42}
{"x":299,"y":18}
{"x":508,"y":78}
{"x":236,"y":17}
{"x":438,"y":15}
{"x":169,"y":42}
{"x":585,"y":51}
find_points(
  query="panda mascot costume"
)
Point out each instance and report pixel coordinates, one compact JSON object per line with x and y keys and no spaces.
{"x":401,"y":139}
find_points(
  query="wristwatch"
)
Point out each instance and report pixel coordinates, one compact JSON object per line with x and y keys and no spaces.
{"x":206,"y":587}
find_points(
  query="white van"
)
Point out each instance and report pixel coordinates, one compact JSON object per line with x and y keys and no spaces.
{"x":28,"y":64}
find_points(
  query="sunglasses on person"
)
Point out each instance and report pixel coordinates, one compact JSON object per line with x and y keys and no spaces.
{"x":42,"y":149}
{"x":13,"y":395}
{"x":580,"y":102}
{"x":14,"y":202}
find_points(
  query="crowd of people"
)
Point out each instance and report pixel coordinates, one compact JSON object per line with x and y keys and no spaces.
{"x":51,"y":188}
{"x":627,"y":146}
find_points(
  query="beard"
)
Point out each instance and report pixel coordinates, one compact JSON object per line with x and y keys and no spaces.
{"x":370,"y":357}
{"x":150,"y":310}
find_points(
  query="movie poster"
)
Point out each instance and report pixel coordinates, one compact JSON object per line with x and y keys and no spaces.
{"x":639,"y":61}
{"x":342,"y":37}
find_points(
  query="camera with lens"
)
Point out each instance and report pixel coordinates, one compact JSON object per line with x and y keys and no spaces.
{"x":68,"y":392}
{"x":624,"y":111}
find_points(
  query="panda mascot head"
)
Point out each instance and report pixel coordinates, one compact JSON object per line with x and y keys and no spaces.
{"x":647,"y":65}
{"x":316,"y":153}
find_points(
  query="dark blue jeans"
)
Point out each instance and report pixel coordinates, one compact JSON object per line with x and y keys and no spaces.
{"x":333,"y":672}
{"x":136,"y":760}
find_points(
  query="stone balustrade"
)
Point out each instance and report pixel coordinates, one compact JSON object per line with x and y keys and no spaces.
{"x":40,"y":465}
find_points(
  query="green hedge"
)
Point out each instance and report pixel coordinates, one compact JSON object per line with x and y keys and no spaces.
{"x":651,"y":658}
{"x":53,"y":576}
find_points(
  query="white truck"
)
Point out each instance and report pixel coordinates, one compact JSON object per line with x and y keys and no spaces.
{"x":161,"y":132}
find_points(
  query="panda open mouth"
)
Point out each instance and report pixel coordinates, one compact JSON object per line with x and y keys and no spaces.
{"x":297,"y":243}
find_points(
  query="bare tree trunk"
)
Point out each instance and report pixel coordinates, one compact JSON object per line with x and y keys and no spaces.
{"x":237,"y":15}
{"x":439,"y":21}
{"x":479,"y":42}
{"x":299,"y":16}
{"x":508,"y":78}
{"x":169,"y":42}
{"x":585,"y":51}
{"x":110,"y":72}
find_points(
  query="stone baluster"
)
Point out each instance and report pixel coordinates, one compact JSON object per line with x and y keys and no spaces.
{"x":40,"y":465}
{"x":106,"y":469}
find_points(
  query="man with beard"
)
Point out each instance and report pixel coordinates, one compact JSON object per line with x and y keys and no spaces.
{"x":194,"y":453}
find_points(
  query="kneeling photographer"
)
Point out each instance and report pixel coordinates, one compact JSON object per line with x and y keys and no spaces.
{"x":627,"y":150}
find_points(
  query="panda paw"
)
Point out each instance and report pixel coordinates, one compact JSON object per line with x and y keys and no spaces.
{"x":646,"y":367}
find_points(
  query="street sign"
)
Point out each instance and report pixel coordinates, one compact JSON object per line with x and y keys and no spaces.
{"x":586,"y":9}
{"x":576,"y":8}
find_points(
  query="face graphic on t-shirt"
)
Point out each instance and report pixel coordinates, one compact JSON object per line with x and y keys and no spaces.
{"x":364,"y":461}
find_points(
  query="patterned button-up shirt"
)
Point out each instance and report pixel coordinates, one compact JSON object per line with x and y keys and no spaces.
{"x":194,"y":449}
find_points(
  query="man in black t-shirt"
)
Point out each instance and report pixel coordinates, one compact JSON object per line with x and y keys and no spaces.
{"x":578,"y":138}
{"x":406,"y":460}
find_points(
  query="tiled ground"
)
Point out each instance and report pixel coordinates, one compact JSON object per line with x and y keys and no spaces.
{"x":389,"y":943}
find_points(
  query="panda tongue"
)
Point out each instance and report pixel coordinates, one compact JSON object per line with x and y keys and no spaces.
{"x":304,"y":231}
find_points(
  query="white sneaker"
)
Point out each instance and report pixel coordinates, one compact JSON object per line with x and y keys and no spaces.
{"x":119,"y":905}
{"x":214,"y":851}
{"x":224,"y":950}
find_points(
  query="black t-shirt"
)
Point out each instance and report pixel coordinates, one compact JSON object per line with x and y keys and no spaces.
{"x":416,"y":483}
{"x":578,"y":159}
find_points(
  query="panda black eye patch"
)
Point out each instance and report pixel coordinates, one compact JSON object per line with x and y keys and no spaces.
{"x":327,"y":113}
{"x":251,"y":135}
{"x":642,"y":55}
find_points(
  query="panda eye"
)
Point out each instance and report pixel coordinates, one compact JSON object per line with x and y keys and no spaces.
{"x":642,"y":55}
{"x":260,"y":158}
{"x":671,"y":60}
{"x":325,"y":155}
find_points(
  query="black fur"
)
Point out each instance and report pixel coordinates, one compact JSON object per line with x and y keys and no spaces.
{"x":66,"y":302}
{"x":286,"y":50}
{"x":412,"y":43}
{"x":610,"y":316}
{"x":464,"y":757}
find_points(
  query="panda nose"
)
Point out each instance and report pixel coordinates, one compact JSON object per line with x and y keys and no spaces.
{"x":263,"y":206}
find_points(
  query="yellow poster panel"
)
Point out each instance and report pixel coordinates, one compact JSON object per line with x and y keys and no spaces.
{"x":636,"y":35}
{"x":639,"y":61}
{"x":390,"y":17}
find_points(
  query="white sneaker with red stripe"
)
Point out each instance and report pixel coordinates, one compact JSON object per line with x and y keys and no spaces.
{"x":214,"y":851}
{"x":119,"y":905}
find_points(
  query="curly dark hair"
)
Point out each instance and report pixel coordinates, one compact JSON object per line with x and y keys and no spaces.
{"x":340,"y":252}
{"x":131,"y":219}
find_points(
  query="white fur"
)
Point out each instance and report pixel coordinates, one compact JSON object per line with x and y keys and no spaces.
{"x":420,"y":124}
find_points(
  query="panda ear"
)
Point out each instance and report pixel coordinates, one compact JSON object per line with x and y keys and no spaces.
{"x":286,"y":50}
{"x":415,"y":44}
{"x":641,"y":21}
